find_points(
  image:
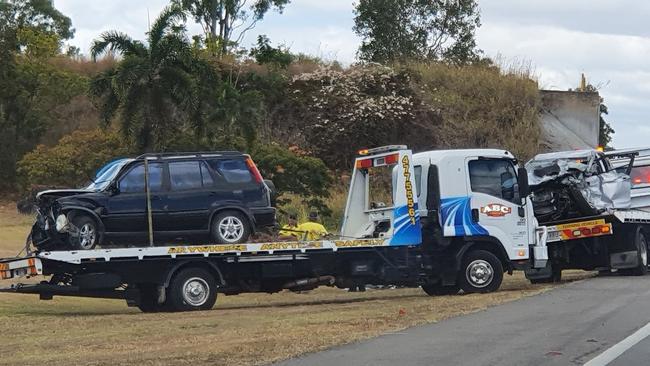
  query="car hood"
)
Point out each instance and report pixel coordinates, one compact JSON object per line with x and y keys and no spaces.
{"x":54,"y":194}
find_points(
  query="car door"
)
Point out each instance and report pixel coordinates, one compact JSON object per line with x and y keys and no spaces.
{"x":495,"y":203}
{"x":126,"y":210}
{"x":191,"y":191}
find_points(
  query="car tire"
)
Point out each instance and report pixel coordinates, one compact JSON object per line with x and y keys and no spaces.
{"x":192,"y":289}
{"x":230,"y":227}
{"x":439,"y":290}
{"x":481,"y":272}
{"x":87,"y":236}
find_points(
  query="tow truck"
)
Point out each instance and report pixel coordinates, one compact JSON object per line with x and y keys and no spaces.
{"x":446,"y":220}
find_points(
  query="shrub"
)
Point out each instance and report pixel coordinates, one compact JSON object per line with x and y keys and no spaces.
{"x":295,"y":173}
{"x":364,"y":106}
{"x":73,"y":161}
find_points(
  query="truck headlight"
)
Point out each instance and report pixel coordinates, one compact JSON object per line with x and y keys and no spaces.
{"x":61,"y":223}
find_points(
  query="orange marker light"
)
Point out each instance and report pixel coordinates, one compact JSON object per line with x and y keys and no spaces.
{"x":521,"y":253}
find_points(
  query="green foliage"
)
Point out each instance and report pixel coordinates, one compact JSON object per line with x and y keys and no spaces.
{"x":417,"y":30}
{"x":221,"y":18}
{"x":73,"y":161}
{"x":295,"y":173}
{"x":265,"y":54}
{"x":30,"y":88}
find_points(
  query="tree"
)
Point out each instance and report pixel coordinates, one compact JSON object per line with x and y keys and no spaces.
{"x":31,"y":33}
{"x":401,"y":30}
{"x":265,"y":54}
{"x":225,"y":22}
{"x":152,"y":90}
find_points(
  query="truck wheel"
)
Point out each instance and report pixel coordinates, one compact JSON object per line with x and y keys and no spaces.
{"x":230,"y":227}
{"x":437,"y":289}
{"x":481,"y":272}
{"x":642,"y":254}
{"x":87,"y":235}
{"x":192,"y":289}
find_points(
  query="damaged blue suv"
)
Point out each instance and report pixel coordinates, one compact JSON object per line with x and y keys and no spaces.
{"x":217,"y":197}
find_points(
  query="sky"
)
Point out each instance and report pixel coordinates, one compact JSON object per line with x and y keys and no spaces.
{"x":608,"y":41}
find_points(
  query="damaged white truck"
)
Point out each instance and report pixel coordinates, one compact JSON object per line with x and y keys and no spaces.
{"x":584,"y":198}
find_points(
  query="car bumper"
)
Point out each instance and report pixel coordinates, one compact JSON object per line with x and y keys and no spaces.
{"x":264,"y":216}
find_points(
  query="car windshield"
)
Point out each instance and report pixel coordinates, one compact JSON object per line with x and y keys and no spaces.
{"x":106,"y":174}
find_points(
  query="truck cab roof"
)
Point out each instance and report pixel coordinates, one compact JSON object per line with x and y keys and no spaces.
{"x":439,"y":155}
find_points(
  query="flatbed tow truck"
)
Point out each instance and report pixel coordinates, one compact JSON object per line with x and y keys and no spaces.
{"x":449,"y":224}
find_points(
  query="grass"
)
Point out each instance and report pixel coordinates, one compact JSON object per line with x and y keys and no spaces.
{"x":250,"y":329}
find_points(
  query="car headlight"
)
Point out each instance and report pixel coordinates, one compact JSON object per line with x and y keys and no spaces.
{"x":61,"y":223}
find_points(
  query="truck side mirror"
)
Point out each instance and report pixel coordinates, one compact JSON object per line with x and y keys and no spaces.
{"x":522,"y":182}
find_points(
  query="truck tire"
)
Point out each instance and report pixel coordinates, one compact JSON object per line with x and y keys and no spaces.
{"x":230,"y":227}
{"x":481,"y":271}
{"x":642,"y":254}
{"x":556,"y":277}
{"x":88,"y":233}
{"x":192,"y":289}
{"x":437,"y":289}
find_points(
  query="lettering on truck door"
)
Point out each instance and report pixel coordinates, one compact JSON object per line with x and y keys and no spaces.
{"x":495,"y":202}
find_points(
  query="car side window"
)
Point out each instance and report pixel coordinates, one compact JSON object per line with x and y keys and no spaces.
{"x":232,"y":170}
{"x":205,"y":176}
{"x":495,"y":177}
{"x":185,"y":175}
{"x":133,"y":181}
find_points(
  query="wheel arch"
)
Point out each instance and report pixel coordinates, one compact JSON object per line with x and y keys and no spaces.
{"x":205,"y":264}
{"x":247,"y":214}
{"x":487,"y":243}
{"x":72,"y":211}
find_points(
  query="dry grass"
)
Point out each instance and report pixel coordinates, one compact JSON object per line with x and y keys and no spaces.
{"x":249,"y":329}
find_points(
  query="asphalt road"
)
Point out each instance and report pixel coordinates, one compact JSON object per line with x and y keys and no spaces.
{"x":570,"y":325}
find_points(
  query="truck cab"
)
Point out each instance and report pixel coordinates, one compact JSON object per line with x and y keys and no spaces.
{"x":477,"y":197}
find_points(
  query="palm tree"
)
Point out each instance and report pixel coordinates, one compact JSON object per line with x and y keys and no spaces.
{"x":151,"y":91}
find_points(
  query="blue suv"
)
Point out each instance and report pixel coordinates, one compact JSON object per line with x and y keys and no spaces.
{"x":219,"y":197}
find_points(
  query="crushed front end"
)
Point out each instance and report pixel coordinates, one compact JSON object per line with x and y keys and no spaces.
{"x":575,"y":184}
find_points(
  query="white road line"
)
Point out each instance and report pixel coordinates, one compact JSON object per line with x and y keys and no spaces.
{"x":619,"y":348}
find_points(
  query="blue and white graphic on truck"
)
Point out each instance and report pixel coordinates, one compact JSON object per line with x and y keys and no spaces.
{"x":456,"y":215}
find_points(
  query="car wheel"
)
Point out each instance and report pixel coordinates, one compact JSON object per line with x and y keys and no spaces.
{"x":87,"y":233}
{"x":192,"y":289}
{"x":230,"y":227}
{"x":439,"y":290}
{"x":481,"y":272}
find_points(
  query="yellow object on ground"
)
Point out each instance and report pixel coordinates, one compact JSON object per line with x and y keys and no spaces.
{"x":313,"y":230}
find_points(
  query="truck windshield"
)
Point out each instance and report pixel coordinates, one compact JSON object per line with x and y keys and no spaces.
{"x":106,"y":174}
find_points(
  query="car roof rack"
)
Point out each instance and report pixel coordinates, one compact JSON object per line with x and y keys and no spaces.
{"x":198,"y":154}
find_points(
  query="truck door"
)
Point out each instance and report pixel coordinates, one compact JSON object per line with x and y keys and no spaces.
{"x":495,"y":203}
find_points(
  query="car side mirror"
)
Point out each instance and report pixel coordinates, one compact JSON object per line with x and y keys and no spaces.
{"x":522,"y":182}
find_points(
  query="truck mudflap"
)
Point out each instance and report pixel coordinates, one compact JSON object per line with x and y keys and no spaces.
{"x":578,"y":230}
{"x":20,"y":267}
